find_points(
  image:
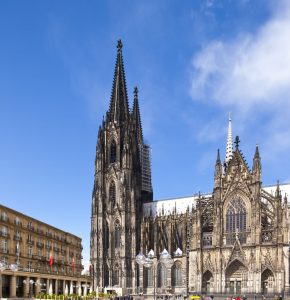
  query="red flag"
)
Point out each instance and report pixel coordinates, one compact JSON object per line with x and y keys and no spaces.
{"x":73,"y":264}
{"x":51,"y":260}
{"x":90,"y":269}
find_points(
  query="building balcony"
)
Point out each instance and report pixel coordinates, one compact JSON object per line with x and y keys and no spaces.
{"x":31,"y":228}
{"x":39,"y":245}
{"x":242,"y":236}
{"x":17,"y":223}
{"x":267,"y":236}
{"x":207,"y":239}
{"x":17,"y":238}
{"x":4,"y":234}
{"x":30,"y":242}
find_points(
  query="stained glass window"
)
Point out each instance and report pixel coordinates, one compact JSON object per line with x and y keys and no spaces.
{"x":236,"y":220}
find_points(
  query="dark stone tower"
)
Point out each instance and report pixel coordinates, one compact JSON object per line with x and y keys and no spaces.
{"x":122,"y":184}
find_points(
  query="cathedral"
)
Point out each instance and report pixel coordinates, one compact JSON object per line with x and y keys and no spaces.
{"x":233,"y":240}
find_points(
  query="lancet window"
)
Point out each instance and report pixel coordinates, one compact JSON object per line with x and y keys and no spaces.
{"x":236,"y":220}
{"x":117,"y":234}
{"x":113,"y":152}
{"x":112,"y":194}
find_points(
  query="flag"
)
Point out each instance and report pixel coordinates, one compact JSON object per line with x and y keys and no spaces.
{"x":50,"y":260}
{"x":90,"y":269}
{"x":73,"y":264}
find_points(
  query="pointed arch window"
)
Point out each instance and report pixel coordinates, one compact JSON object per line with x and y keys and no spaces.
{"x":113,"y":152}
{"x":162,"y":275}
{"x":112,"y":194}
{"x":236,"y":220}
{"x":117,"y":234}
{"x":176,"y":274}
{"x":148,"y":277}
{"x":115,"y":275}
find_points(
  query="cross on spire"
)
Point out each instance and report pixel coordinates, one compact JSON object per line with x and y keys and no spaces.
{"x":120,"y":45}
{"x":237,"y":141}
{"x":136,"y":92}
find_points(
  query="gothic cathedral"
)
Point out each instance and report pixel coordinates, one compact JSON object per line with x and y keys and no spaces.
{"x":234,"y":240}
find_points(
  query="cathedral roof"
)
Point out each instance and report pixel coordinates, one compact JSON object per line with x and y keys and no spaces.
{"x":181,"y":205}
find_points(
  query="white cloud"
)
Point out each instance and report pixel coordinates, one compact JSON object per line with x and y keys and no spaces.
{"x":250,"y":75}
{"x":250,"y":70}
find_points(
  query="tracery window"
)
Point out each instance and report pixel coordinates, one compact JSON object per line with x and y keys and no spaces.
{"x":162,"y":275}
{"x":148,"y":277}
{"x":115,"y":275}
{"x":236,"y":220}
{"x":117,"y":234}
{"x":112,"y":194}
{"x":176,"y":274}
{"x":113,"y":152}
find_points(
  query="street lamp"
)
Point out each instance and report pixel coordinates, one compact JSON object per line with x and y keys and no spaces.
{"x":147,"y":261}
{"x":30,"y":282}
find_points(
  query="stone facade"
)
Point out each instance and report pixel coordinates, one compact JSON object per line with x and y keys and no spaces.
{"x":231,"y":241}
{"x":29,"y":243}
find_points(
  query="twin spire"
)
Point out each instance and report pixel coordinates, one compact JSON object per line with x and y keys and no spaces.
{"x":119,"y":108}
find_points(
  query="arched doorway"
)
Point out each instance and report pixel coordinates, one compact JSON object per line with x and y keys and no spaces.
{"x":207,"y":279}
{"x":267,"y":280}
{"x":236,"y":278}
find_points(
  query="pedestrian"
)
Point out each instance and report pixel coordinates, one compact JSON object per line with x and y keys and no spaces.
{"x":280,"y":297}
{"x":244,"y":297}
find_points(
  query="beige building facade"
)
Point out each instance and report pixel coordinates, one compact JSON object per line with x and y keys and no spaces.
{"x":38,"y":257}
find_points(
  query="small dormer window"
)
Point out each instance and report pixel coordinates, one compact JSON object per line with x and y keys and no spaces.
{"x":113,"y":152}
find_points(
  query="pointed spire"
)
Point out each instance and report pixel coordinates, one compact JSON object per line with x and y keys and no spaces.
{"x":136,"y":118}
{"x":218,"y":159}
{"x":257,"y":154}
{"x":119,"y":108}
{"x":229,"y":150}
{"x":257,"y":167}
{"x":278,"y":191}
{"x":218,"y":170}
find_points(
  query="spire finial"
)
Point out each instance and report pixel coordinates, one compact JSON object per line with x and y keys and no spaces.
{"x":136,"y":92}
{"x":119,"y":45}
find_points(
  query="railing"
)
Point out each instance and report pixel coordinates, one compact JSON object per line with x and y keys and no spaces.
{"x":207,"y":239}
{"x":266,"y":236}
{"x":4,"y":234}
{"x":39,"y":244}
{"x":17,"y":238}
{"x":242,"y":236}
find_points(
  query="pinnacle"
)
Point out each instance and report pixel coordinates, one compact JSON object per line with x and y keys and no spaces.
{"x":119,"y":45}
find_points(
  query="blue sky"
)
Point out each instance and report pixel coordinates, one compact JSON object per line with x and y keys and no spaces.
{"x":193,"y":62}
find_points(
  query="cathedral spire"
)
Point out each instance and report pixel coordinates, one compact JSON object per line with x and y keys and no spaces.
{"x":229,"y":150}
{"x":136,"y":117}
{"x":257,"y":164}
{"x":119,"y":108}
{"x":218,"y":170}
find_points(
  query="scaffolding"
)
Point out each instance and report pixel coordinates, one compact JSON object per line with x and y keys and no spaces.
{"x":145,"y":159}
